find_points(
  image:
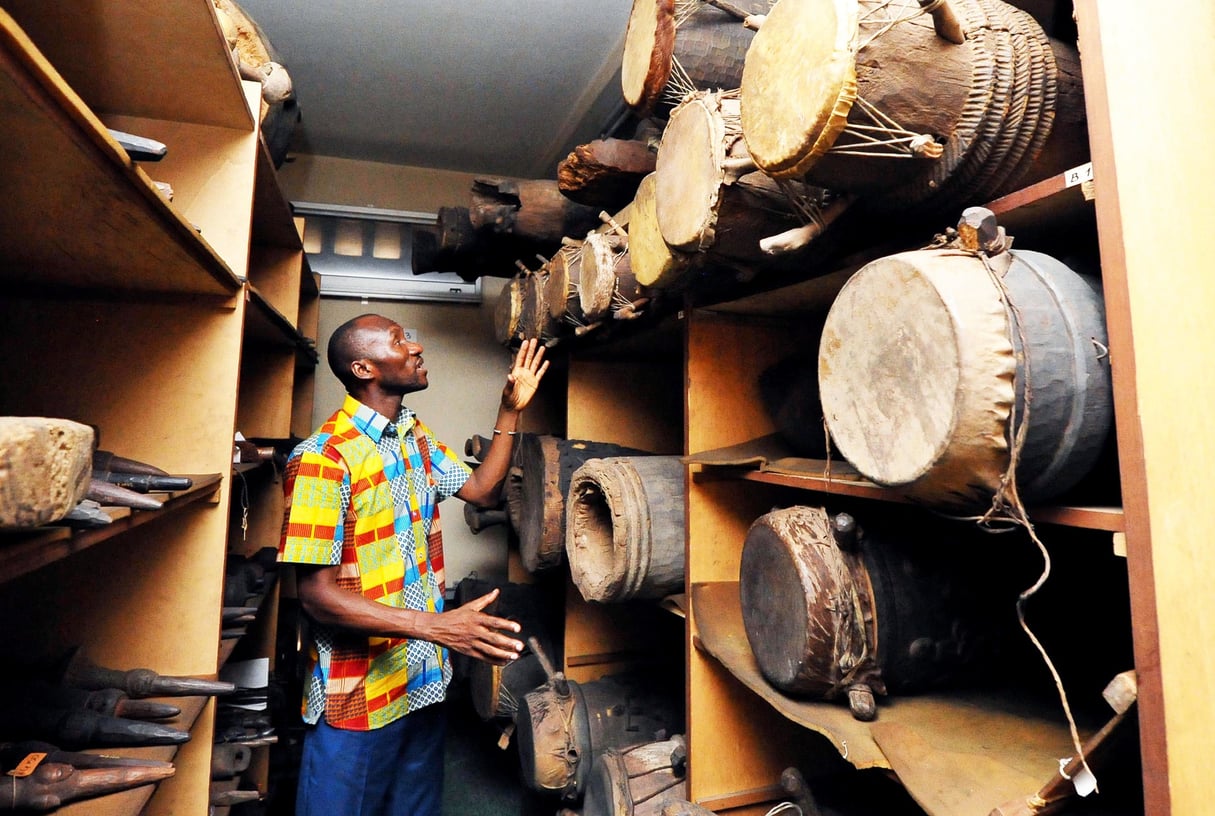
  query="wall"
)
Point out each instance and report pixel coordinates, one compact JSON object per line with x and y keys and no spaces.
{"x":467,"y":366}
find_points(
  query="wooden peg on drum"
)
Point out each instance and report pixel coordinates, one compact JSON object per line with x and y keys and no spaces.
{"x":944,"y":21}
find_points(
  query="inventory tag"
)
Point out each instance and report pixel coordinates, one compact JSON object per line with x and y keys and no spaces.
{"x":26,"y":766}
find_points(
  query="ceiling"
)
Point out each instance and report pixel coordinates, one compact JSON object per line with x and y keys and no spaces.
{"x":502,"y":88}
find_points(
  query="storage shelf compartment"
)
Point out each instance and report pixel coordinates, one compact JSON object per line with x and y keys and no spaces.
{"x":265,"y":325}
{"x":97,"y":222}
{"x":133,"y":801}
{"x":25,"y":551}
{"x":160,"y":60}
{"x":957,"y":752}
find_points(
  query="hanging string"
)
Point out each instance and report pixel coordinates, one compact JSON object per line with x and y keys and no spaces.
{"x":898,"y":141}
{"x":1007,"y":506}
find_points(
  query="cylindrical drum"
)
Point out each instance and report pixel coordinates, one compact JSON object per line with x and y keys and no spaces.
{"x":638,"y":780}
{"x":624,"y":527}
{"x":507,"y":311}
{"x":672,"y":47}
{"x":536,"y":489}
{"x":654,"y":263}
{"x":925,"y":384}
{"x":564,"y":727}
{"x":561,"y":288}
{"x":830,"y":607}
{"x":865,"y":96}
{"x":606,"y":280}
{"x":534,"y":318}
{"x":709,"y":196}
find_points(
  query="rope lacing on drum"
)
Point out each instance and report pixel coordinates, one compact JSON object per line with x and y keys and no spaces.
{"x":571,"y":286}
{"x":883,"y":132}
{"x":871,"y":17}
{"x":679,"y":83}
{"x":809,"y":210}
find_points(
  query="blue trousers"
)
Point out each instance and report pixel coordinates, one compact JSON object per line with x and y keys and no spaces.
{"x":396,"y":770}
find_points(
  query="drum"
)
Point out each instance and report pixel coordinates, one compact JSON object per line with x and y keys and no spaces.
{"x":637,"y":781}
{"x":865,"y":96}
{"x":564,"y":727}
{"x":561,"y":287}
{"x":607,"y":286}
{"x":834,"y":609}
{"x":654,"y":264}
{"x":507,"y":311}
{"x":710,"y":198}
{"x":673,"y":47}
{"x":932,"y":362}
{"x":624,"y":527}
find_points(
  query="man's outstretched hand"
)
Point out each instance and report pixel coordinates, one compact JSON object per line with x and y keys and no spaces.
{"x":524,"y":376}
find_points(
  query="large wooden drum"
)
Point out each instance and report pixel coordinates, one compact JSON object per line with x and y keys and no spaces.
{"x":926,"y":376}
{"x":865,"y":96}
{"x":653,"y":262}
{"x":833,"y":609}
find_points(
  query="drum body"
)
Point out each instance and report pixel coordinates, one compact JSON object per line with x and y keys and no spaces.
{"x":927,"y":378}
{"x":606,"y":280}
{"x":864,"y":96}
{"x":654,"y":263}
{"x":637,"y":781}
{"x":625,"y":527}
{"x":828,"y":607}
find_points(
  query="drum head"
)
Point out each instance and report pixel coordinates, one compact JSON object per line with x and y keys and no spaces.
{"x":649,"y":45}
{"x":654,"y":262}
{"x":916,"y":370}
{"x":799,"y":83}
{"x":596,"y":276}
{"x":689,"y":173}
{"x":506,"y":312}
{"x":557,"y":284}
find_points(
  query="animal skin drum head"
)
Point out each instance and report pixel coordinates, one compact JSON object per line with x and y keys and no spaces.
{"x":649,"y":45}
{"x":890,"y":371}
{"x":689,"y":174}
{"x":799,"y":83}
{"x":655,"y":263}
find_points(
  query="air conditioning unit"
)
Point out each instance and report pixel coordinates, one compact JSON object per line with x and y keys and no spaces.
{"x":365,"y":252}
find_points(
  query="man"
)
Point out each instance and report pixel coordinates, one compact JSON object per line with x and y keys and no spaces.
{"x":362,"y":526}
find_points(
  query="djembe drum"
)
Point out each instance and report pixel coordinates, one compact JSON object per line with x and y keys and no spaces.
{"x":865,"y":96}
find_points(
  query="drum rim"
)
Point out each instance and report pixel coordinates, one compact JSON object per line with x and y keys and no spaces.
{"x":662,"y":50}
{"x":708,"y":128}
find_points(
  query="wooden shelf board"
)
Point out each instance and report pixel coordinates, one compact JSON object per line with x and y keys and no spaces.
{"x":841,"y":480}
{"x":75,"y":228}
{"x":133,"y":801}
{"x":964,"y":752}
{"x":266,"y":325}
{"x":167,"y":59}
{"x":25,"y":552}
{"x":273,"y":218}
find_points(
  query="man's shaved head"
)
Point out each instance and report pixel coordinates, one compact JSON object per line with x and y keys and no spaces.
{"x":347,"y":344}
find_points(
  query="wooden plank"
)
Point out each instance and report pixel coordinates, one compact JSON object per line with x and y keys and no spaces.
{"x":97,"y":204}
{"x":1152,"y":171}
{"x":160,"y":59}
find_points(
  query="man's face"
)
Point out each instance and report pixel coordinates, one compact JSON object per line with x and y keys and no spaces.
{"x":397,"y":363}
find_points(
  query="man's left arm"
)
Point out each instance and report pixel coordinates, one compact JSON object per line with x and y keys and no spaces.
{"x":484,"y":487}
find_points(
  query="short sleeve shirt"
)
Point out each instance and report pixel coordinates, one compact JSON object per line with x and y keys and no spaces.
{"x":362,"y":494}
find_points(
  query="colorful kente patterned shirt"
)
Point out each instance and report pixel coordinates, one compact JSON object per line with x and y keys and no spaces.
{"x":362,"y":494}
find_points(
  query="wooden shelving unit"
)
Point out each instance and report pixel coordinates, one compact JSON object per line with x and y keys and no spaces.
{"x":166,"y":323}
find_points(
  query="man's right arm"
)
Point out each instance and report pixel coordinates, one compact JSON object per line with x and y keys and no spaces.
{"x":466,"y":629}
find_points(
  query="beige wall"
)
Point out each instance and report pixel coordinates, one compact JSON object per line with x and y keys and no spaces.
{"x":467,"y":367}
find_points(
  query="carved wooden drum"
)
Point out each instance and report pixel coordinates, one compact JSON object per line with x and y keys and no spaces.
{"x":833,"y":609}
{"x":866,"y":96}
{"x":926,"y":376}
